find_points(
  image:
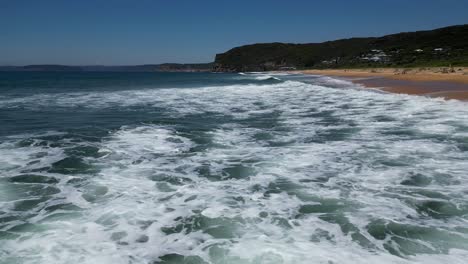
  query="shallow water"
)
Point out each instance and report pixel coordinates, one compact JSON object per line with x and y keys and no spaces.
{"x":227,"y":168}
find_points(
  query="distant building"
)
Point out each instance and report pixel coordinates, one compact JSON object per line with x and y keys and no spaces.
{"x":376,"y":56}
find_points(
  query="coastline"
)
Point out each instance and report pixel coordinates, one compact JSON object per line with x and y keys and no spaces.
{"x":432,"y":82}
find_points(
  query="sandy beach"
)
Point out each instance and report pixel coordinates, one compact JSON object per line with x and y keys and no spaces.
{"x":449,"y":83}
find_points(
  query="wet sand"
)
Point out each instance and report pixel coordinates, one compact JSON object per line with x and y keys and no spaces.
{"x":431,"y":82}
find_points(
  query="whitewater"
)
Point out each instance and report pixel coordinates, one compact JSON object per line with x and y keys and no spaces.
{"x":228,"y":168}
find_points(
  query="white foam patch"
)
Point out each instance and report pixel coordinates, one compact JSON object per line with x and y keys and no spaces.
{"x":266,"y":77}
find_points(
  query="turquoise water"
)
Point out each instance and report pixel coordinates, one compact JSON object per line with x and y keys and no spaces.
{"x":227,"y":168}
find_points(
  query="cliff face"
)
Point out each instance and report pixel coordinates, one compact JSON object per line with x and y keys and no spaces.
{"x":438,"y":47}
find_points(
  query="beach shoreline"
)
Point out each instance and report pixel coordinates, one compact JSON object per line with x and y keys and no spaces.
{"x":449,"y":83}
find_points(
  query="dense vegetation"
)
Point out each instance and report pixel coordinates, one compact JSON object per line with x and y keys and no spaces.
{"x":440,"y":47}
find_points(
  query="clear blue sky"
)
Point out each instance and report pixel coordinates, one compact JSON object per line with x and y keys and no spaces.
{"x":119,"y":32}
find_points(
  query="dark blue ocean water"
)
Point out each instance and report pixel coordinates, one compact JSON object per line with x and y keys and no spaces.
{"x":27,"y":116}
{"x":227,"y":168}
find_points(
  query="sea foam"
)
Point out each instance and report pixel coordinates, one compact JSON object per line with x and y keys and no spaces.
{"x":294,"y":173}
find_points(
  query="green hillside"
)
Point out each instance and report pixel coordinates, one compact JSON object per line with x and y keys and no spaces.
{"x":440,"y":47}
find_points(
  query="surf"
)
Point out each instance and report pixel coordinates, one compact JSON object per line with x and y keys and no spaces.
{"x":308,"y":168}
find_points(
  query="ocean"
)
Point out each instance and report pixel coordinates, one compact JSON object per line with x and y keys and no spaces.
{"x":130,"y":168}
